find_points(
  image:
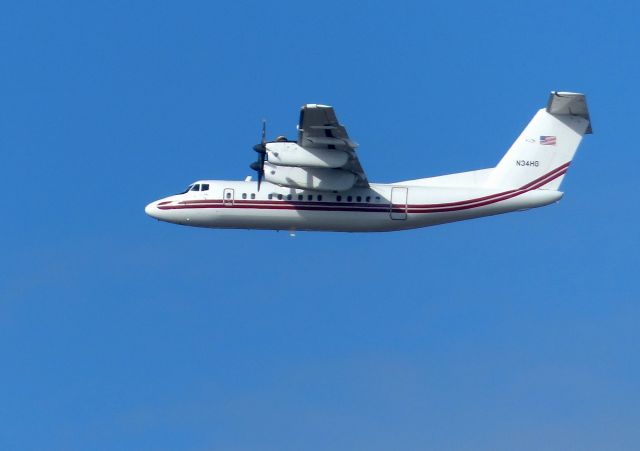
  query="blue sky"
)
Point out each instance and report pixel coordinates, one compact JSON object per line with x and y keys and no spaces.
{"x":118,"y":332}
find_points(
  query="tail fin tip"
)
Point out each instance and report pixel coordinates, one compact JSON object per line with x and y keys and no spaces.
{"x":569,"y":103}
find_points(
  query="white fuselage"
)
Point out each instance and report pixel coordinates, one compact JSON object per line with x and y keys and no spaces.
{"x":377,"y":208}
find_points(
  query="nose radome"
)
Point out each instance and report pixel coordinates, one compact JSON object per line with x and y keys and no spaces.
{"x":151,"y":209}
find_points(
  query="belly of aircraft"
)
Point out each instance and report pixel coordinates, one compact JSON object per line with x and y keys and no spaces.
{"x":343,"y":221}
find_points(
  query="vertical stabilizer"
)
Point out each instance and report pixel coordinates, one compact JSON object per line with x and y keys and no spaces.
{"x":544,"y":150}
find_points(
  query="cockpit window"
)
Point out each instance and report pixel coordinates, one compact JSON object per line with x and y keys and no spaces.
{"x":205,"y":187}
{"x":196,"y":187}
{"x":187,"y":190}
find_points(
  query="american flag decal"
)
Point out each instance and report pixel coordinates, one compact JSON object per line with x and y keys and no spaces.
{"x":548,"y":140}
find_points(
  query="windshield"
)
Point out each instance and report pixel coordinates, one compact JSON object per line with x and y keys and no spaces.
{"x":196,"y":187}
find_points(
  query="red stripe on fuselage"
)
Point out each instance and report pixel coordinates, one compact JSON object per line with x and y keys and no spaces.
{"x":368,"y":207}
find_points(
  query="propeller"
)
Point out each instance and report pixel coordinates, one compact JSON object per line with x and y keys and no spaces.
{"x":261,"y":148}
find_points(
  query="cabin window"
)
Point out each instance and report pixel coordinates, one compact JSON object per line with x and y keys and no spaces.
{"x":377,"y":198}
{"x":359,"y":198}
{"x":349,"y":198}
{"x":205,"y":187}
{"x":338,"y":198}
{"x":368,"y":199}
{"x":310,"y":197}
{"x":196,"y":187}
{"x":319,"y":197}
{"x":279,"y":196}
{"x":300,"y":197}
{"x":253,"y":195}
{"x":289,"y":197}
{"x":244,"y":195}
{"x":270,"y":196}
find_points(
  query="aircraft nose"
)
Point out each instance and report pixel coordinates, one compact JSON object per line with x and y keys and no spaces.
{"x":152,"y":210}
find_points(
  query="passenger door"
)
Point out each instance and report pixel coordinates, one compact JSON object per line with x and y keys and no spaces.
{"x":399,"y":203}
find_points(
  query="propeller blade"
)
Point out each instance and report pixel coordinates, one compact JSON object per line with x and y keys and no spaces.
{"x":261,"y":159}
{"x":261,"y":148}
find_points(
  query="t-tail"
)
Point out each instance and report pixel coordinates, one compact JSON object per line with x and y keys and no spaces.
{"x":541,"y":155}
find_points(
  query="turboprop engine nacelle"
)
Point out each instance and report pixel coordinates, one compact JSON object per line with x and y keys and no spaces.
{"x":291,"y":154}
{"x":321,"y":179}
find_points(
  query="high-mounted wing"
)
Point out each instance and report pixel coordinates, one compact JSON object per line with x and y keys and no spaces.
{"x":319,"y":129}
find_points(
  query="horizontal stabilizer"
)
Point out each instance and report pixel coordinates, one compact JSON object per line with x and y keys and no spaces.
{"x":569,"y":103}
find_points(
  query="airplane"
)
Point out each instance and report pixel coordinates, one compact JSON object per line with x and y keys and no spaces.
{"x":317,"y":183}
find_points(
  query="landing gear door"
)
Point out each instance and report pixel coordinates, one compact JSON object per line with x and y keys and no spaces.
{"x":399,"y":203}
{"x":227,"y":197}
